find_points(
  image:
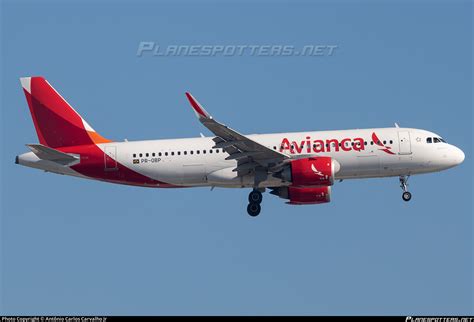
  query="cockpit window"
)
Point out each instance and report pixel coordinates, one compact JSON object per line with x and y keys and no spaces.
{"x":435,"y":140}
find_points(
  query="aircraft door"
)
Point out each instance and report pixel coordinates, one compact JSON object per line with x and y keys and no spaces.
{"x":404,"y":142}
{"x":110,"y":158}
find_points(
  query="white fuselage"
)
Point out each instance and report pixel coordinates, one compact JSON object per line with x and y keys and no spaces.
{"x":194,"y":161}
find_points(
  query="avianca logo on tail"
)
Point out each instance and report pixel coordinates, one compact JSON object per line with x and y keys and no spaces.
{"x":317,"y":146}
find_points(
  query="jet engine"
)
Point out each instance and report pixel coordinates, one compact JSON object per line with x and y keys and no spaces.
{"x":304,"y":196}
{"x":315,"y":171}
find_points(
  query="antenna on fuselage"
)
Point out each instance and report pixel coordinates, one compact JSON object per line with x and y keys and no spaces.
{"x":396,"y":125}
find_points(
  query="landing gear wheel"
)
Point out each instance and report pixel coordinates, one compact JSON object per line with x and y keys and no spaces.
{"x":255,"y":196}
{"x":254,"y":209}
{"x":406,"y":196}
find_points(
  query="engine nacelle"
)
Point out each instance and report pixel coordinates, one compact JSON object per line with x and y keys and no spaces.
{"x":304,"y":196}
{"x":317,"y":171}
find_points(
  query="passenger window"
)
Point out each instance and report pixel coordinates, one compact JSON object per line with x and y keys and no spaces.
{"x":210,"y":151}
{"x":197,"y":152}
{"x":185,"y":152}
{"x":384,"y":142}
{"x":153,"y":154}
{"x":274,"y":148}
{"x":391,"y":142}
{"x":371,"y":142}
{"x":191,"y":152}
{"x":141,"y":155}
{"x":172,"y":153}
{"x":203,"y":151}
{"x":134,"y":155}
{"x":429,"y":140}
{"x":179,"y":152}
{"x":365,"y":142}
{"x":159,"y":154}
{"x":166,"y":154}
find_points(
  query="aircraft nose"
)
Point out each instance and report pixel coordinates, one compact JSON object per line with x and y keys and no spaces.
{"x":458,"y":155}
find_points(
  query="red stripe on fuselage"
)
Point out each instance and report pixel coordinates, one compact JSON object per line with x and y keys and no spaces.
{"x":92,"y":165}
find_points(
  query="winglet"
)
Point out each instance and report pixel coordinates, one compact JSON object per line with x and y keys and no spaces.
{"x":198,"y":109}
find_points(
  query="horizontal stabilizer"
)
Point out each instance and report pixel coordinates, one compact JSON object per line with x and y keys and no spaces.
{"x":50,"y":154}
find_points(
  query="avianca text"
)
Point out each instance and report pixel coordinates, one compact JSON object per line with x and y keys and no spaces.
{"x":317,"y":146}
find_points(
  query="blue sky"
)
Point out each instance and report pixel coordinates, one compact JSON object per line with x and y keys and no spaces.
{"x":72,"y":246}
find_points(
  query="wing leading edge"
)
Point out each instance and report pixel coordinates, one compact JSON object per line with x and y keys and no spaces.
{"x":251,"y":156}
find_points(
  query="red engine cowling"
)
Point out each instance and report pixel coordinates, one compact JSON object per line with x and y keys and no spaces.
{"x":318,"y":171}
{"x":304,"y":196}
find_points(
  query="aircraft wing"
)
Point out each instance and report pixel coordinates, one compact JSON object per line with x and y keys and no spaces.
{"x":46,"y":153}
{"x":250,"y":155}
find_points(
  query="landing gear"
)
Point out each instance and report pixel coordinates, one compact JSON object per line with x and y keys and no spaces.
{"x":255,"y":196}
{"x":254,"y":209}
{"x":255,"y":199}
{"x":406,"y":196}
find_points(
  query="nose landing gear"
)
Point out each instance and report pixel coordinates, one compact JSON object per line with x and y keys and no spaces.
{"x":406,"y":195}
{"x":255,"y":199}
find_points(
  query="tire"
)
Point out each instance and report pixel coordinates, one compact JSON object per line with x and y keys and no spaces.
{"x":254,"y":209}
{"x":406,"y":196}
{"x":255,"y":196}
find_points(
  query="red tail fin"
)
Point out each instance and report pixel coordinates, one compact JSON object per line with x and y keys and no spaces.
{"x":57,"y":123}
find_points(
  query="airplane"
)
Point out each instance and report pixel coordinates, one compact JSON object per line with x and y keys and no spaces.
{"x":300,"y":167}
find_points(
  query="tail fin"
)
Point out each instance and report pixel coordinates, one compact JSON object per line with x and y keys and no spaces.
{"x":57,"y":123}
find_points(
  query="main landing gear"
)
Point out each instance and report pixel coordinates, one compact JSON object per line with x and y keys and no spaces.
{"x":255,"y":199}
{"x":406,"y":195}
